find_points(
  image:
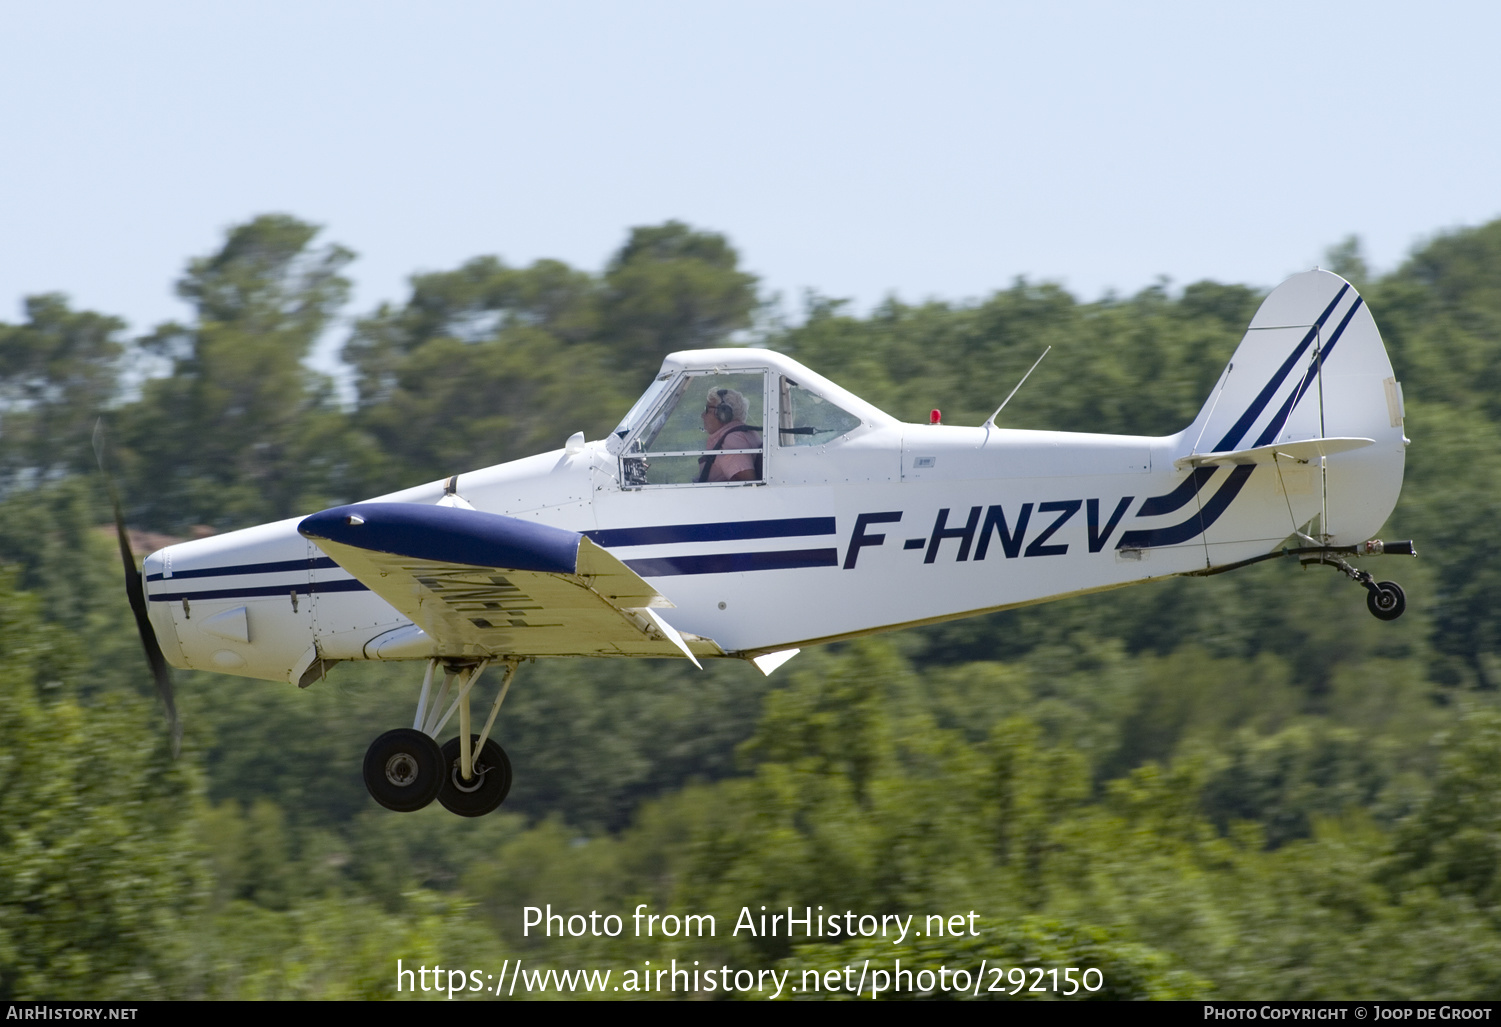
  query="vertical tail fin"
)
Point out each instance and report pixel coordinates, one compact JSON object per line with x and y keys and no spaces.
{"x":1312,"y":366}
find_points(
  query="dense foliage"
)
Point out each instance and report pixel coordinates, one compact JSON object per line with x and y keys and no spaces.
{"x":1242,"y":786}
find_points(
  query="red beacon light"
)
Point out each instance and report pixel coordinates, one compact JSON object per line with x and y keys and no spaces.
{"x":934,"y":417}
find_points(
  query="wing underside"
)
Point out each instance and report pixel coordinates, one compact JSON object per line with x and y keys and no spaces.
{"x":482,"y":584}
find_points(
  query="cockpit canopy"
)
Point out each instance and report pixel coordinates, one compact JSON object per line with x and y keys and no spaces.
{"x":704,"y":419}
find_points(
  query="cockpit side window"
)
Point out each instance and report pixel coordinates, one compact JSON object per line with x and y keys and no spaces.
{"x":706,"y":430}
{"x":807,"y":419}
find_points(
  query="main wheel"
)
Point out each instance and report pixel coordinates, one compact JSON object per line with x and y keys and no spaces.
{"x":484,"y":791}
{"x":404,"y":769}
{"x":1387,"y":602}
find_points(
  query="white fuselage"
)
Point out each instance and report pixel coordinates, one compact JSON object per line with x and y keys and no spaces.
{"x":919,"y":523}
{"x":887,"y":524}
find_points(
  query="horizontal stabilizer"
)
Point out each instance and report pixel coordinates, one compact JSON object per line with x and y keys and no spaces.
{"x":1301,"y":452}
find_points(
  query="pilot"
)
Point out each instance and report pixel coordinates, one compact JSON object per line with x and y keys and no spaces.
{"x":724,"y":420}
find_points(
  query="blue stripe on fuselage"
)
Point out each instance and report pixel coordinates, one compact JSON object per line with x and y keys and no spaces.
{"x":256,"y":591}
{"x":1175,"y":499}
{"x":722,"y":531}
{"x":657,"y":534}
{"x":278,"y":567}
{"x":730,"y":563}
{"x":1195,"y":525}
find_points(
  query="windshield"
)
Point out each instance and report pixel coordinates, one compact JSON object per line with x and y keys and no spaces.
{"x":643,"y":405}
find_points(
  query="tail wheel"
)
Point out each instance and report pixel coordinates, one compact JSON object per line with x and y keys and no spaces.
{"x":483,"y":792}
{"x":1386,"y":601}
{"x":403,"y":770}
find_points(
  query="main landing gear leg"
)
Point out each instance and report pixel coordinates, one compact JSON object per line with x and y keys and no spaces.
{"x":470,"y":775}
{"x":478,"y":775}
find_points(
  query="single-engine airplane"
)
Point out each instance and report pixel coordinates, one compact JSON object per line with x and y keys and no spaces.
{"x":804,"y":515}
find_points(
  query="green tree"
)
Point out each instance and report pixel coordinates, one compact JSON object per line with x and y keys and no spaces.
{"x":58,"y":371}
{"x":489,"y":363}
{"x":671,"y":288}
{"x":1452,"y":843}
{"x":101,"y":878}
{"x":1347,"y":259}
{"x":241,"y":431}
{"x":452,"y":406}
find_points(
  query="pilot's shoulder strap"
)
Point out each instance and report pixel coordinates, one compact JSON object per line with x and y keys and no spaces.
{"x":707,"y":462}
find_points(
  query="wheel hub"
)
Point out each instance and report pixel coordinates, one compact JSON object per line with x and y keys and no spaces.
{"x":401,"y":770}
{"x":474,"y":783}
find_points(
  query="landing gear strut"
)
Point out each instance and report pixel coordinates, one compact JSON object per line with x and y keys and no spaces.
{"x":470,"y":775}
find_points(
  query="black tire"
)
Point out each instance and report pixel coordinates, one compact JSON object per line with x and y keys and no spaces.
{"x":486,"y":790}
{"x":1388,"y":601}
{"x":404,"y":770}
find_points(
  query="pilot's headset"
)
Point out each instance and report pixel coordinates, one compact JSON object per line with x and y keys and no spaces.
{"x":725,"y":412}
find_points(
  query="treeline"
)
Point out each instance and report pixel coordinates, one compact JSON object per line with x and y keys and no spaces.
{"x":482,"y":364}
{"x":1242,"y":786}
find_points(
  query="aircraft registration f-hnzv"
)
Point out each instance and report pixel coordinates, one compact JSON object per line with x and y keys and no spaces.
{"x":805,"y":515}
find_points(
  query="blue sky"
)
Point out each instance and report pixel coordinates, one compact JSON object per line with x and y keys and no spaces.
{"x":859,"y":149}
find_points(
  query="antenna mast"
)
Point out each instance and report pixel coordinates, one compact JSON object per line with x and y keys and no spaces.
{"x":990,"y":421}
